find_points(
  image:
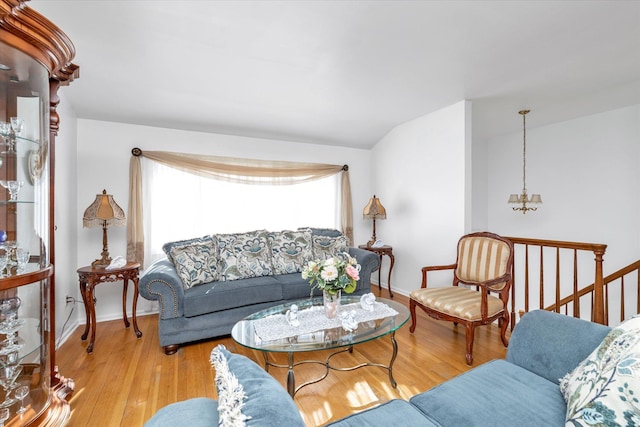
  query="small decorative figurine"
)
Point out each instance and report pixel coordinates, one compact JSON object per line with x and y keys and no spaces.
{"x":368,"y":301}
{"x":292,"y":316}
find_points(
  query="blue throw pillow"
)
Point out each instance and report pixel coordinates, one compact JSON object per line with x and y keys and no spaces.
{"x":197,"y":412}
{"x":248,"y":395}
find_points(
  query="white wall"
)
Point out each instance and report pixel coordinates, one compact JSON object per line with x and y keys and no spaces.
{"x":420,"y":174}
{"x":66,"y":221}
{"x":104,"y":150}
{"x":587,"y":171}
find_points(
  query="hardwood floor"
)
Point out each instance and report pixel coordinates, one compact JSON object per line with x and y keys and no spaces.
{"x":126,"y":380}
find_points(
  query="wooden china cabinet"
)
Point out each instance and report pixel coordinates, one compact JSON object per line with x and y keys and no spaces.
{"x":35,"y":60}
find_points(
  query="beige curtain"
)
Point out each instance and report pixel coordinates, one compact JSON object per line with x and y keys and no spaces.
{"x":244,"y":171}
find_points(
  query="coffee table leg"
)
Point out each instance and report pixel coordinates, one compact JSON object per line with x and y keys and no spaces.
{"x":291,"y":377}
{"x":393,"y":359}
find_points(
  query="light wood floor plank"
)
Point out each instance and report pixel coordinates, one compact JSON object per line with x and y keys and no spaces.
{"x":126,"y":380}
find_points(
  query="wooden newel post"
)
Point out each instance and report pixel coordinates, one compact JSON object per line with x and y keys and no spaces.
{"x":598,"y":290}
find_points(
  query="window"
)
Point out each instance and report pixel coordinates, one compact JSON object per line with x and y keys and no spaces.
{"x":180,"y":205}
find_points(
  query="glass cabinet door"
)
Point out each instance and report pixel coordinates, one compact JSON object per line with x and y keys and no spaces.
{"x":25,"y":269}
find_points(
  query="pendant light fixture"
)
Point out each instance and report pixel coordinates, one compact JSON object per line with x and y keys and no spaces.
{"x":522,"y":202}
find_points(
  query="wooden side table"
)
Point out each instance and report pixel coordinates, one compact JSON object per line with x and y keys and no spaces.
{"x":90,"y":277}
{"x":383,"y":250}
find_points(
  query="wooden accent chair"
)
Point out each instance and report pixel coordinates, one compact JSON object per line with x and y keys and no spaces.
{"x":484,"y":263}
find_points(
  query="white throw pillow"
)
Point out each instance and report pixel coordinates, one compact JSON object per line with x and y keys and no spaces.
{"x":604,"y":389}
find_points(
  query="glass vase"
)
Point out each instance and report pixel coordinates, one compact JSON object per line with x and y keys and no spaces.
{"x":331,"y":303}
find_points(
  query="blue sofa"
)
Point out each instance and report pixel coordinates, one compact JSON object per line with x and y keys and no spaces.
{"x":522,"y":390}
{"x":208,"y":310}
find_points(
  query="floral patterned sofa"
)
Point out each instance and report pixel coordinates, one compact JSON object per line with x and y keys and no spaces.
{"x":206,"y":284}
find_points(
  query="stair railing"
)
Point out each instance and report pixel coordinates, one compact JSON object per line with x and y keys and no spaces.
{"x":561,"y":249}
{"x":614,"y":282}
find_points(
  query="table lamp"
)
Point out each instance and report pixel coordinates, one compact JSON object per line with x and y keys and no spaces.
{"x":104,"y":212}
{"x":374,"y":210}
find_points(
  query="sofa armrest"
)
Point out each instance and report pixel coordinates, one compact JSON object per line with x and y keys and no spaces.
{"x":551,"y":344}
{"x":369,"y":262}
{"x":160,"y":282}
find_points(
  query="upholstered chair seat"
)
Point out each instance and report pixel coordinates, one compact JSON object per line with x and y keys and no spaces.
{"x":483,"y":268}
{"x":457,"y":301}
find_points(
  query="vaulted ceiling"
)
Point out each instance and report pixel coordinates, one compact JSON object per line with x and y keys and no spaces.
{"x":347,"y":72}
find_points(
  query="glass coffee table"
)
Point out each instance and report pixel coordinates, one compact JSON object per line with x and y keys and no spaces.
{"x":269,"y":332}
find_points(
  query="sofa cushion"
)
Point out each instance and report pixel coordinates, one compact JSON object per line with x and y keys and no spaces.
{"x":218,"y":296}
{"x":196,"y":263}
{"x":264,"y":401}
{"x":497,"y":393}
{"x":603,"y":389}
{"x":181,"y":243}
{"x":294,"y":287}
{"x":457,"y":301}
{"x":196,"y":412}
{"x":393,"y":413}
{"x":244,"y":255}
{"x":539,"y":331}
{"x":327,"y":247}
{"x":290,"y":250}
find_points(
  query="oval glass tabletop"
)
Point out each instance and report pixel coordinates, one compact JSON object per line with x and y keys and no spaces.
{"x":250,"y":331}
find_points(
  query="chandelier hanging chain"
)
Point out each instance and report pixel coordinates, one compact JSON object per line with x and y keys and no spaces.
{"x":522,"y":202}
{"x":524,"y":150}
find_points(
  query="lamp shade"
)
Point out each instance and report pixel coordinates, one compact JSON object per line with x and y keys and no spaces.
{"x":514,"y":198}
{"x":374,"y":209}
{"x":103,"y":212}
{"x":535,"y":198}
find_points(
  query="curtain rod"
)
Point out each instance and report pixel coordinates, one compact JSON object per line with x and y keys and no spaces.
{"x":138,"y":152}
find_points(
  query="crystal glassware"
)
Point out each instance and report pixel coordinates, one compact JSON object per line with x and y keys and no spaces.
{"x":22,"y":258}
{"x":9,"y":358}
{"x":5,"y":133}
{"x":8,"y":377}
{"x":4,"y":416}
{"x":10,"y":247}
{"x":9,"y":308}
{"x":12,"y":342}
{"x":17,"y":124}
{"x":21,"y":392}
{"x":13,"y":187}
{"x":3,"y":263}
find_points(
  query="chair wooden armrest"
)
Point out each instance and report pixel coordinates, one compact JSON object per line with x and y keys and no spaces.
{"x":487,"y":285}
{"x":486,"y":289}
{"x":434,"y":268}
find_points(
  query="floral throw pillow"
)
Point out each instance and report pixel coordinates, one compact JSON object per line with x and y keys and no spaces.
{"x":196,"y":263}
{"x":604,"y":389}
{"x":181,"y":243}
{"x":290,"y":250}
{"x":327,"y":247}
{"x":244,"y":255}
